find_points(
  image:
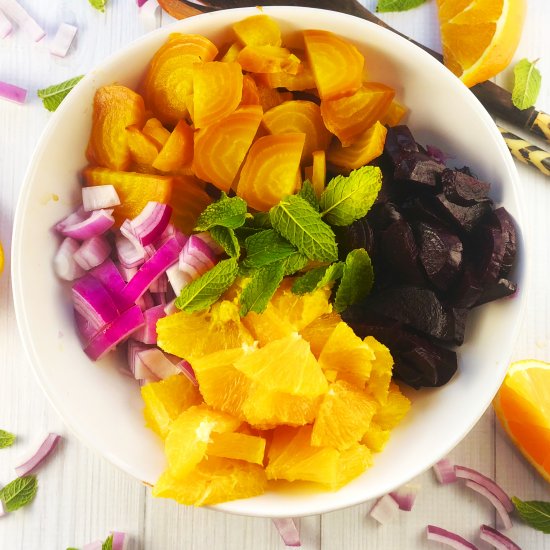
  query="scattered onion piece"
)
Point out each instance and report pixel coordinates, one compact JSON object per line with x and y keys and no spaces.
{"x":96,"y":545}
{"x":92,"y":252}
{"x":497,"y":539}
{"x":494,"y":500}
{"x":207,"y":238}
{"x":140,"y":3}
{"x":444,"y":471}
{"x":170,"y":307}
{"x":5,"y":25}
{"x":449,"y":538}
{"x":82,"y":226}
{"x":188,"y":371}
{"x":477,"y":477}
{"x":288,"y":531}
{"x":92,"y":300}
{"x":128,"y":254}
{"x":15,"y":11}
{"x":405,"y":496}
{"x":12,"y":93}
{"x":158,"y":363}
{"x":151,"y":222}
{"x":119,"y":540}
{"x":63,"y":39}
{"x":99,"y":196}
{"x":39,"y":455}
{"x":385,"y":509}
{"x":148,"y":333}
{"x":177,"y":279}
{"x":64,"y":264}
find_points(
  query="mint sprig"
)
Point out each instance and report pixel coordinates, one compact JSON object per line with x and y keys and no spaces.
{"x":266,"y":247}
{"x":398,"y":5}
{"x":259,"y":291}
{"x":300,"y":224}
{"x":230,"y":212}
{"x":201,"y":293}
{"x":19,"y":492}
{"x":527,"y":83}
{"x":52,"y":96}
{"x":6,"y":439}
{"x":348,"y":198}
{"x":98,"y":5}
{"x":108,"y":544}
{"x":318,"y":277}
{"x":227,"y":239}
{"x":294,"y":263}
{"x":535,"y":513}
{"x":308,"y":193}
{"x":357,"y":280}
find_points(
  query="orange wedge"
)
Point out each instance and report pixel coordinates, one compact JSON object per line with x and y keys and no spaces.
{"x":479,"y":38}
{"x":523,"y":407}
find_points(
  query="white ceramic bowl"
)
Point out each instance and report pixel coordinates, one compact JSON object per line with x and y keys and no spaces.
{"x":103,"y":407}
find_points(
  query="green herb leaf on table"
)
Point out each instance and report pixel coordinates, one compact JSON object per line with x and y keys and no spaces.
{"x":295,"y":263}
{"x":227,"y":239}
{"x":265,"y":248}
{"x":357,"y":280}
{"x":308,"y":193}
{"x":201,"y":293}
{"x":527,"y":83}
{"x":260,"y":220}
{"x":108,"y":544}
{"x":230,"y":212}
{"x":98,"y":4}
{"x":318,"y":277}
{"x":298,"y":222}
{"x":398,"y":5}
{"x":347,"y":199}
{"x":52,"y":96}
{"x":6,"y":439}
{"x":257,"y":293}
{"x":19,"y":492}
{"x":535,"y":513}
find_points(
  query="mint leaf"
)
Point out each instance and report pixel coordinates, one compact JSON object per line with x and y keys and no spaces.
{"x":227,"y":239}
{"x":347,"y":199}
{"x":204,"y":291}
{"x":308,"y":193}
{"x":6,"y":439}
{"x":260,"y":220}
{"x":398,"y":5}
{"x":227,"y":212}
{"x":527,"y":82}
{"x":19,"y":492}
{"x":108,"y":544}
{"x":265,"y":248}
{"x":317,"y":277}
{"x":357,"y":280}
{"x":295,"y":263}
{"x":535,"y":513}
{"x":98,"y":4}
{"x":257,"y":293}
{"x":72,"y":548}
{"x":298,"y":222}
{"x":52,"y":96}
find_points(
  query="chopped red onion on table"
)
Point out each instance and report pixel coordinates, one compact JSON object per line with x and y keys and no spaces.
{"x":148,"y":333}
{"x":81,"y":225}
{"x":111,"y":278}
{"x":158,"y":363}
{"x":15,"y":11}
{"x":64,"y":264}
{"x":494,"y":500}
{"x":128,"y":254}
{"x":62,"y":42}
{"x":96,"y":545}
{"x":126,"y":272}
{"x":385,"y":509}
{"x":150,"y":223}
{"x":5,"y":25}
{"x":405,"y":496}
{"x":160,"y":285}
{"x":497,"y":539}
{"x":98,"y":197}
{"x":39,"y":455}
{"x":92,"y":300}
{"x":444,"y":471}
{"x":288,"y":531}
{"x":92,"y":252}
{"x":170,"y":307}
{"x":449,"y":538}
{"x":119,"y":540}
{"x":177,"y":279}
{"x":477,"y":477}
{"x":140,"y":3}
{"x":145,"y":301}
{"x":136,"y":365}
{"x":12,"y":92}
{"x":188,"y":371}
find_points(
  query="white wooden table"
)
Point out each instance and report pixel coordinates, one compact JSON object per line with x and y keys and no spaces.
{"x":81,"y":496}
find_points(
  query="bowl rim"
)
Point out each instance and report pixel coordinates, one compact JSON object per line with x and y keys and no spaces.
{"x":283,"y":12}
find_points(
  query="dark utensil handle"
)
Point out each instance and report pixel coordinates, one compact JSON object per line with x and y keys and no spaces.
{"x":527,"y":152}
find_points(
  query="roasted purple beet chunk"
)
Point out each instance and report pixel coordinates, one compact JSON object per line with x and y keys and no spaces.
{"x":467,"y":290}
{"x":460,"y":317}
{"x":419,"y":169}
{"x":383,"y":214}
{"x":358,"y":235}
{"x":436,"y":364}
{"x":422,"y":209}
{"x":462,"y":188}
{"x":465,"y":218}
{"x":501,"y":289}
{"x":399,"y":143}
{"x":490,"y":249}
{"x":503,"y":220}
{"x":440,"y":254}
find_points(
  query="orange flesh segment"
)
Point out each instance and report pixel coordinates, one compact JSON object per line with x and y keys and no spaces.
{"x":238,"y":446}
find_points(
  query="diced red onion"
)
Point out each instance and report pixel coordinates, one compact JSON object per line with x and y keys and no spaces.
{"x":473,"y":475}
{"x":385,"y":509}
{"x":99,"y":196}
{"x":110,"y":277}
{"x":449,"y":538}
{"x":133,"y":347}
{"x":405,"y":496}
{"x":5,"y":25}
{"x":494,"y":500}
{"x":119,"y":540}
{"x":111,"y":335}
{"x":288,"y":531}
{"x":160,"y":285}
{"x":140,"y":3}
{"x":93,"y":302}
{"x":151,"y":222}
{"x":497,"y":539}
{"x":153,"y":268}
{"x":64,"y":264}
{"x":148,"y":333}
{"x":12,"y":92}
{"x":84,"y":328}
{"x":149,"y":9}
{"x":170,"y":308}
{"x":196,"y":258}
{"x":207,"y":238}
{"x":128,"y":255}
{"x":81,"y":226}
{"x":39,"y":455}
{"x":126,"y":272}
{"x":96,"y":545}
{"x":145,"y":301}
{"x":92,"y":252}
{"x":15,"y":11}
{"x":158,"y":363}
{"x":444,"y":471}
{"x":159,"y":298}
{"x":188,"y":371}
{"x":177,"y":279}
{"x":62,"y":42}
{"x":170,"y":231}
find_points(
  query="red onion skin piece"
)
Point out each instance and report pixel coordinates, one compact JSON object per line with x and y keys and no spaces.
{"x":15,"y":11}
{"x":5,"y":30}
{"x":469,"y":473}
{"x":44,"y":450}
{"x":93,"y":302}
{"x":64,"y":263}
{"x":110,"y":277}
{"x":96,"y":545}
{"x":92,"y":252}
{"x":497,"y":539}
{"x":12,"y":93}
{"x":96,"y":223}
{"x":288,"y":531}
{"x":99,"y":196}
{"x":119,"y":540}
{"x":140,"y":3}
{"x":63,"y":39}
{"x":148,"y":333}
{"x":449,"y":538}
{"x":444,"y":471}
{"x":385,"y":509}
{"x":494,"y":500}
{"x":111,"y":335}
{"x":151,"y":222}
{"x":188,"y":371}
{"x":405,"y":497}
{"x":158,"y":363}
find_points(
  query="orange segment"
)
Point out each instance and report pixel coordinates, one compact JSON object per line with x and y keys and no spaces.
{"x":239,"y":446}
{"x":523,"y":407}
{"x":267,"y":326}
{"x":352,"y":462}
{"x":479,"y":38}
{"x":375,"y":438}
{"x":318,"y":332}
{"x":382,"y":366}
{"x":392,"y":412}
